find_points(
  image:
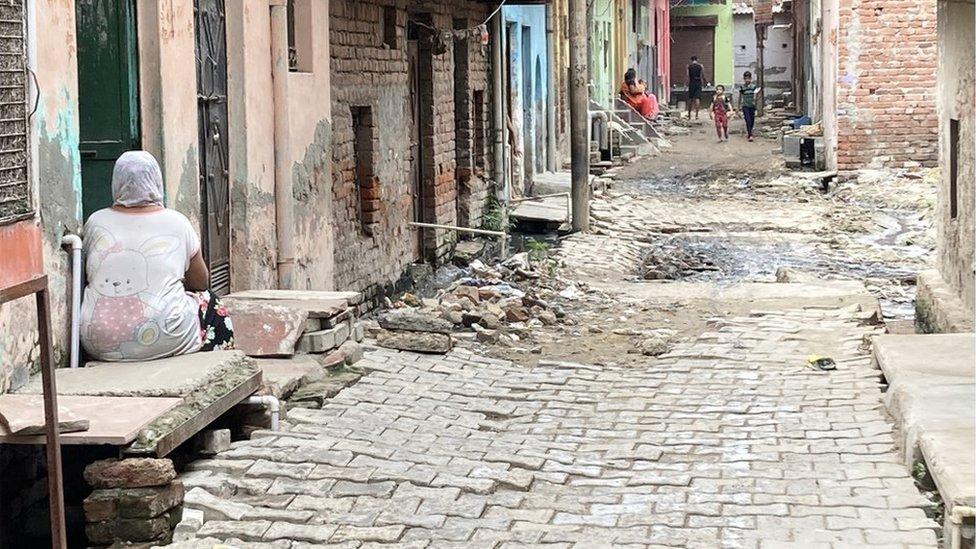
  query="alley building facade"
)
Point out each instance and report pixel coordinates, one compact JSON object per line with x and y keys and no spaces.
{"x":411,"y":101}
{"x":867,"y":71}
{"x":946,"y":295}
{"x":300,"y":138}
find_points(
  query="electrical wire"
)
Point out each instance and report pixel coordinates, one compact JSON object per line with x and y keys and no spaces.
{"x":461,"y":31}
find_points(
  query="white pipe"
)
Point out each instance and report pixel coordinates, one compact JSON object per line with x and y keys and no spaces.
{"x":283,"y":190}
{"x":273,"y":404}
{"x":497,"y":111}
{"x":959,"y":512}
{"x":551,"y":101}
{"x":74,"y":241}
{"x":603,"y":140}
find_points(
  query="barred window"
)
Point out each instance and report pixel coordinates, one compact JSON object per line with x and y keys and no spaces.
{"x":15,"y":200}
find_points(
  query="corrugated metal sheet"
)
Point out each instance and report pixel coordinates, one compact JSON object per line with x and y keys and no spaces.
{"x":15,"y":200}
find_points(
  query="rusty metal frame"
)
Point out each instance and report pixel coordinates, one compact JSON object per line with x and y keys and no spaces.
{"x":55,"y":483}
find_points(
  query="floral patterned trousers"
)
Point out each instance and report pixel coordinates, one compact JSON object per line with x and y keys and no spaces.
{"x":216,"y":329}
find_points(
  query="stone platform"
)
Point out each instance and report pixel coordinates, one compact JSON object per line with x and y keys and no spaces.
{"x":931,"y":396}
{"x":205,"y":385}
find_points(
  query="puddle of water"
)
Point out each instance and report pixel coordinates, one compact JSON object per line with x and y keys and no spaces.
{"x":742,"y":258}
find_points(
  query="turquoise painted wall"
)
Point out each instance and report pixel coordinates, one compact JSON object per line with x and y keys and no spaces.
{"x":529,"y":83}
{"x":724,"y":65}
{"x":602,"y":70}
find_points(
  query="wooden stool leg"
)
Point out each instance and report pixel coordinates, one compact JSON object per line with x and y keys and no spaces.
{"x":54,"y":479}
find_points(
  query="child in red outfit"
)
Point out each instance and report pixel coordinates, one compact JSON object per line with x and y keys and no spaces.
{"x":720,"y":113}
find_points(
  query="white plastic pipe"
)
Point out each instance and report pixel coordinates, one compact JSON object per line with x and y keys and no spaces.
{"x":74,"y":241}
{"x":603,"y":139}
{"x":959,"y":512}
{"x":284,"y":197}
{"x":273,"y":404}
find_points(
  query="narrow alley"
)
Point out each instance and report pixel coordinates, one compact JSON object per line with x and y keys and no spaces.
{"x":575,"y":436}
{"x":571,"y":274}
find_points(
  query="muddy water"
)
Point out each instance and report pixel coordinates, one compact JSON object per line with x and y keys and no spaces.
{"x":885,"y":251}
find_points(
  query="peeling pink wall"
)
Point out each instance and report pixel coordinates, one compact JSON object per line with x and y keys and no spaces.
{"x":168,"y":98}
{"x":56,"y":181}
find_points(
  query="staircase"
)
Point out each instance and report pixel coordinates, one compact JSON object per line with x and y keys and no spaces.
{"x":629,"y":135}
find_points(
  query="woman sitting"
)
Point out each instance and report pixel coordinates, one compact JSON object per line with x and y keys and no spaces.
{"x":635,"y":93}
{"x":147,"y":294}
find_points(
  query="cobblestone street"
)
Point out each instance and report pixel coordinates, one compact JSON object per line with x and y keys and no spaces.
{"x":729,"y":440}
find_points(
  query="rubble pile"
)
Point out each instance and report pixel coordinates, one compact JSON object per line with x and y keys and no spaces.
{"x":672,"y":261}
{"x":282,"y":323}
{"x":498,"y":304}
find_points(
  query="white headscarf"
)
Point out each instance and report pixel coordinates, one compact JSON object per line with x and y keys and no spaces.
{"x":137,"y":180}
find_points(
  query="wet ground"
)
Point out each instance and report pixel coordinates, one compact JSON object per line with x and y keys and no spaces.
{"x":701,"y":230}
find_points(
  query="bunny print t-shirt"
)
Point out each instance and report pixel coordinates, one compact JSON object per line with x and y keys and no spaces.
{"x":135,"y":306}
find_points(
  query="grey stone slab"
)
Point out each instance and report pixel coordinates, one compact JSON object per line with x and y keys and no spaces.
{"x":176,"y":376}
{"x":932,"y":395}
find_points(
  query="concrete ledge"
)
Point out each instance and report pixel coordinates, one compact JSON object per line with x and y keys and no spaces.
{"x":177,"y":376}
{"x":931,"y":396}
{"x":939,"y":310}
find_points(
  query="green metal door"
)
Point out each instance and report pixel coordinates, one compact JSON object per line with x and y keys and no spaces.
{"x":107,"y":93}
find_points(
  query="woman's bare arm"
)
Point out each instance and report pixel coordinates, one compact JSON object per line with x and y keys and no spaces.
{"x":197,"y":277}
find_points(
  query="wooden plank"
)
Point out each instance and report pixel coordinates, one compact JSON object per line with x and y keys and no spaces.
{"x":22,"y":289}
{"x":114,"y":421}
{"x":182,"y":432}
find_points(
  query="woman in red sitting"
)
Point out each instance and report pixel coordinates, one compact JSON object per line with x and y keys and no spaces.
{"x":634,"y":92}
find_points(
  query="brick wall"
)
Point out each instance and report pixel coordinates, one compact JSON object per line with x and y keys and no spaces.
{"x":368,"y":73}
{"x":886,"y":78}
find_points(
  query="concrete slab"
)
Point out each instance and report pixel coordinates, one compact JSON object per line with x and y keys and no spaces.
{"x":169,"y":377}
{"x":351,"y":298}
{"x":262,"y":328}
{"x":932,"y":383}
{"x":550,"y":210}
{"x":314,"y":308}
{"x":822,"y":294}
{"x":554,"y":182}
{"x":112,"y":420}
{"x":283,"y":375}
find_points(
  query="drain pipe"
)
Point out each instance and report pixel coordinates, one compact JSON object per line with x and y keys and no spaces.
{"x":74,"y":241}
{"x":273,"y":405}
{"x":498,"y":116}
{"x":605,"y":128}
{"x":551,"y":157}
{"x":959,"y":512}
{"x":284,"y":195}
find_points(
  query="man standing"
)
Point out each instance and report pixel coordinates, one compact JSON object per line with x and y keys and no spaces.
{"x":696,"y":81}
{"x":747,"y":102}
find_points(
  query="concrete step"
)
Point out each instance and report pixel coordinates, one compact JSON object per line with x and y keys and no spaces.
{"x":931,"y":387}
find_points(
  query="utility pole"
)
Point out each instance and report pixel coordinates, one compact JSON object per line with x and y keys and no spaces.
{"x":762,"y":18}
{"x":761,"y":64}
{"x":579,"y":101}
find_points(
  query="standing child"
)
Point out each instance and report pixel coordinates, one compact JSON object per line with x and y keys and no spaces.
{"x":720,"y":113}
{"x":747,"y":102}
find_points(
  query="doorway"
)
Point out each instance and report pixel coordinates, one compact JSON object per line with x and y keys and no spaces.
{"x":108,"y":103}
{"x":211,"y":60}
{"x":528,"y":116}
{"x":692,"y":36}
{"x":420,"y":57}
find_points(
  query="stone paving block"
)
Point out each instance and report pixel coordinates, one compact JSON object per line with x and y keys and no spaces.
{"x":372,"y":533}
{"x":456,"y":449}
{"x":246,"y":531}
{"x":315,"y":533}
{"x":375,"y":489}
{"x":323,"y":340}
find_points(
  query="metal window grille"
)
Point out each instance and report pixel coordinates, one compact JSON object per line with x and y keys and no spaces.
{"x":15,"y":199}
